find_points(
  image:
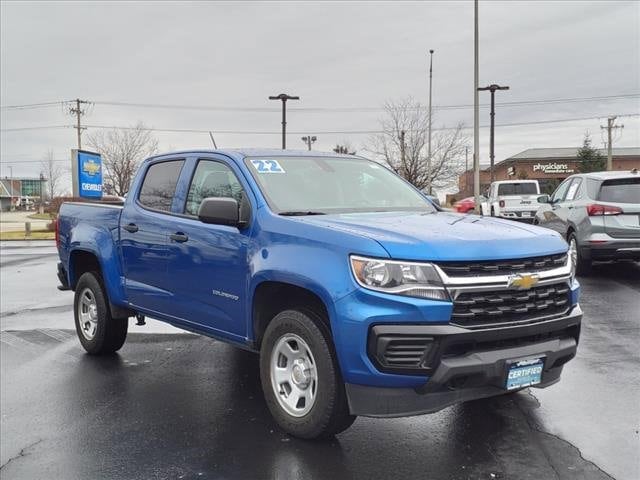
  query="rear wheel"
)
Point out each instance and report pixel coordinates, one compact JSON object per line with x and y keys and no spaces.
{"x":98,"y":331}
{"x":300,"y":376}
{"x":581,"y":265}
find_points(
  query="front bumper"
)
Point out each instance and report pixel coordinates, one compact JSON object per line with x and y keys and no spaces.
{"x":469,"y":364}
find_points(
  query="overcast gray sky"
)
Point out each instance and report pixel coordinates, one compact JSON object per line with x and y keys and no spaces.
{"x":332,"y":55}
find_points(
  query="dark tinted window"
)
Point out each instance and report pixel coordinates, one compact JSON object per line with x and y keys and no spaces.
{"x":159,"y":185}
{"x":211,"y":179}
{"x":624,"y":190}
{"x":517,"y":189}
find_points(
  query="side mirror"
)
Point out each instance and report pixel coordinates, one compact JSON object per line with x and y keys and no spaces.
{"x":219,"y":211}
{"x":544,"y":199}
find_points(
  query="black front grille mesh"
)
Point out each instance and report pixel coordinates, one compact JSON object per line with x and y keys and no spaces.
{"x":503,"y":267}
{"x":402,"y":351}
{"x":480,"y":309}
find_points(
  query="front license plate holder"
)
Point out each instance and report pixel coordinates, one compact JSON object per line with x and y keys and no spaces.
{"x":525,"y":372}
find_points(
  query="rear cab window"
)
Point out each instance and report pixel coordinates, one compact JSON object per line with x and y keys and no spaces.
{"x":621,"y":190}
{"x":517,"y":189}
{"x":159,"y":185}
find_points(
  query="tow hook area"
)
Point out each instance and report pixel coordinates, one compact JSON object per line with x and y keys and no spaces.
{"x":140,"y":319}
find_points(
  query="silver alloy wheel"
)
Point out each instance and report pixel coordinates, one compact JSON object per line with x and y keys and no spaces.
{"x":294,"y":377}
{"x":88,"y":314}
{"x":573,"y":253}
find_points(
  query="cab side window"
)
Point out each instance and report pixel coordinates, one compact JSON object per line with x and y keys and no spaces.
{"x":560,"y":192}
{"x":159,"y":185}
{"x":574,"y":190}
{"x":211,"y":179}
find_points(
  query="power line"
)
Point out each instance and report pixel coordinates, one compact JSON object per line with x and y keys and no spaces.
{"x":324,"y":132}
{"x":27,"y":106}
{"x":319,"y":109}
{"x":44,"y":127}
{"x":358,"y":109}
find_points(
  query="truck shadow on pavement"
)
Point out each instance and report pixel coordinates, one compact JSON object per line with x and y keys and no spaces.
{"x":182,"y":406}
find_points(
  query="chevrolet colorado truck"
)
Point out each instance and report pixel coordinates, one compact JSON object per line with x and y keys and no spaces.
{"x":360,"y":297}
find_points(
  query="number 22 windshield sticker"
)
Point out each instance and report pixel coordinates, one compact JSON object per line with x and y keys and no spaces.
{"x":267,"y":166}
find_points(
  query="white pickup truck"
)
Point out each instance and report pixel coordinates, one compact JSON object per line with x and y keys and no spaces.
{"x":512,"y":199}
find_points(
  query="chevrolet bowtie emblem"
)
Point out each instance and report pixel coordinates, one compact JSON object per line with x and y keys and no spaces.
{"x":91,"y":167}
{"x":523,"y":282}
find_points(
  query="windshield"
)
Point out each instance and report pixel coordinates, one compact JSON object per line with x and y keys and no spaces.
{"x":317,"y":185}
{"x":517,"y":189}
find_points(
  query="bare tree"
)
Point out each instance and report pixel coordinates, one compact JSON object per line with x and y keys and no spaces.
{"x":402,"y":146}
{"x":53,"y":174}
{"x":122,"y":151}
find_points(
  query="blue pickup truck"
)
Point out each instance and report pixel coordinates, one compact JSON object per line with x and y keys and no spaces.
{"x":361,"y":296}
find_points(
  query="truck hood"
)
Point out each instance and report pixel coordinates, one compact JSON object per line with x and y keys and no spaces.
{"x":446,"y":236}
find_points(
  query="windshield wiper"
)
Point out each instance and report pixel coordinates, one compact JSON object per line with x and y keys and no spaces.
{"x":299,"y":213}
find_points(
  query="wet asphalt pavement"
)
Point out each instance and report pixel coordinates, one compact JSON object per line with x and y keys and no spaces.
{"x":176,"y":405}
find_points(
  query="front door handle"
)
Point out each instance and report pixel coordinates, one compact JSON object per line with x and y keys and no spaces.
{"x":132,"y":227}
{"x":178,"y":237}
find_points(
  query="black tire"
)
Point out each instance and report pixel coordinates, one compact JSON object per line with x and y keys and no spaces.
{"x":110,"y":333}
{"x":329,"y":413}
{"x":583,"y":265}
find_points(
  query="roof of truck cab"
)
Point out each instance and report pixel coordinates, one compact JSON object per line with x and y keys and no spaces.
{"x":257,"y":152}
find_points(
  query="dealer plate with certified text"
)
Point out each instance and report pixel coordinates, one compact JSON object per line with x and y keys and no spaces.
{"x":524,"y":373}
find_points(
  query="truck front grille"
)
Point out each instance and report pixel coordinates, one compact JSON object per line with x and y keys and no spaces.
{"x":484,"y":309}
{"x":503,"y":267}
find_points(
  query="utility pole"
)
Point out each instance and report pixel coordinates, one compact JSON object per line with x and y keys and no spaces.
{"x":402,"y":149}
{"x":78,"y":112}
{"x":429,"y":135}
{"x":284,"y":97}
{"x":476,"y":113}
{"x":492,"y":88}
{"x":11,"y":206}
{"x":309,"y":140}
{"x":610,"y":126}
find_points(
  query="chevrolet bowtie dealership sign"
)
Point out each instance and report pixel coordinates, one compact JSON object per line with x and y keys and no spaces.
{"x":87,"y":174}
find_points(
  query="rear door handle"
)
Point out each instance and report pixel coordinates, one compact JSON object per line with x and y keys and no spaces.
{"x":132,"y":227}
{"x":178,"y":237}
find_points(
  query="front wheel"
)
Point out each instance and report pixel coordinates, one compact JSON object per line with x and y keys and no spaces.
{"x":98,"y":331}
{"x":581,"y":265}
{"x":300,"y":376}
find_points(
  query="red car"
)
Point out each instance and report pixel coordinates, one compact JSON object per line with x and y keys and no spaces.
{"x":465,"y":205}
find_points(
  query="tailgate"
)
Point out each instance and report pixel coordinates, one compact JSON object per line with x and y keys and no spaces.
{"x":519,"y":203}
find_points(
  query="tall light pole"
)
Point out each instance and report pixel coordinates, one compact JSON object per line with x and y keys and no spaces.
{"x":429,"y":125}
{"x":476,"y":113}
{"x":492,"y":88}
{"x":11,"y":207}
{"x":309,"y":140}
{"x":284,"y":97}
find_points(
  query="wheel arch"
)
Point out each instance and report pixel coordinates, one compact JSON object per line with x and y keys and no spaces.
{"x":273,"y":296}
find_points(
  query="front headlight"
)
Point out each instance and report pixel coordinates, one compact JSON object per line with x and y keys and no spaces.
{"x":400,"y":278}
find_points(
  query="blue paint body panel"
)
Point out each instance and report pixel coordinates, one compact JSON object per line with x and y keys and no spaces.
{"x":207,"y":284}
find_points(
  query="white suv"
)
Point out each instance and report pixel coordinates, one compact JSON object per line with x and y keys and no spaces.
{"x":515,"y":200}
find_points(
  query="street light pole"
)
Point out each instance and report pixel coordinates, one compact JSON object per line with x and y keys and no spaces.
{"x":429,"y":125}
{"x":492,"y":88}
{"x":284,"y":97}
{"x":476,"y":115}
{"x":309,"y":140}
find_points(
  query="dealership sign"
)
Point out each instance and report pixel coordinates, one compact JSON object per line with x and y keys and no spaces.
{"x":87,"y":168}
{"x":550,"y":168}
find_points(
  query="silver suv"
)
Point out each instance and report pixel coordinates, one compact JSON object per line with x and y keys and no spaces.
{"x":599,"y":215}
